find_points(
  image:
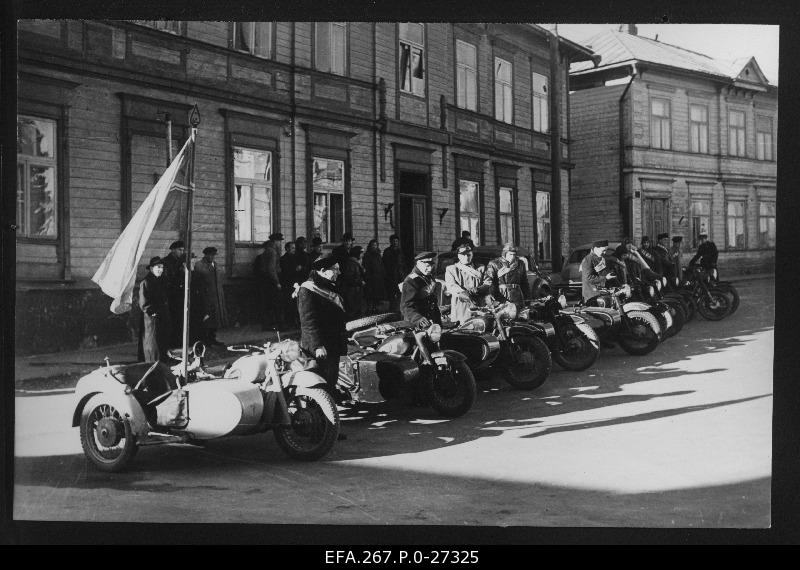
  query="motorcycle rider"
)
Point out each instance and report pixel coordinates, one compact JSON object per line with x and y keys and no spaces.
{"x":464,"y":283}
{"x":418,"y":293}
{"x":594,"y":272}
{"x":646,"y":251}
{"x":661,"y":251}
{"x":707,"y":253}
{"x":506,"y":277}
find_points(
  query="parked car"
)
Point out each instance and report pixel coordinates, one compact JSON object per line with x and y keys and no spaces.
{"x":482,"y":255}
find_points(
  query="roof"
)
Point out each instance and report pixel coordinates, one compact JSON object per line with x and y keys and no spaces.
{"x":621,"y":48}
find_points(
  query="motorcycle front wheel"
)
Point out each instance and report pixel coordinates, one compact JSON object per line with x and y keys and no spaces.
{"x":641,"y":337}
{"x":678,"y":315}
{"x":579,"y":352}
{"x":715,"y":306}
{"x":526,"y":361}
{"x":732,"y":293}
{"x":310,"y":435}
{"x":451,"y":392}
{"x":106,"y":436}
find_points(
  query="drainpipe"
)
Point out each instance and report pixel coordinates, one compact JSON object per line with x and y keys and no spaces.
{"x":292,"y":125}
{"x":626,"y":222}
{"x":555,"y":153}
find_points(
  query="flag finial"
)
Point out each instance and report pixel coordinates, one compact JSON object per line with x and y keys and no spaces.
{"x":194,"y":116}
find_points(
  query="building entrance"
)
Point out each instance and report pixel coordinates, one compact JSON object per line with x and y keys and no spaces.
{"x":414,"y":214}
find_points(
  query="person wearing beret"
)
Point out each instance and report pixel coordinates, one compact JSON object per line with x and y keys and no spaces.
{"x":155,"y":323}
{"x":210,"y":296}
{"x":351,"y":283}
{"x":322,"y":319}
{"x":506,"y":277}
{"x":594,"y":271}
{"x":174,"y":283}
{"x":418,"y":301}
{"x":707,"y":253}
{"x":464,"y":282}
{"x":266,"y":269}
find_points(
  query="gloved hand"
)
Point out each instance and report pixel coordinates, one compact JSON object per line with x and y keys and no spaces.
{"x":423,"y":323}
{"x":321,"y":353}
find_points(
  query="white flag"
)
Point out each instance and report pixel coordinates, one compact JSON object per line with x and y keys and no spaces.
{"x":117,"y":274}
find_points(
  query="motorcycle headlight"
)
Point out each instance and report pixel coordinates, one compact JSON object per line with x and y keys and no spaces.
{"x":525,"y":314}
{"x":435,"y":332}
{"x":508,"y":311}
{"x":290,"y":351}
{"x":714,"y":274}
{"x":658,"y":285}
{"x":676,"y":281}
{"x":562,"y":300}
{"x":477,"y":325}
{"x":664,"y":281}
{"x":651,"y":291}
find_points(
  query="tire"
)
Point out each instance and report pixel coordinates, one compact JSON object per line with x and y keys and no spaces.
{"x":451,"y":393}
{"x":310,"y":435}
{"x":691,"y":304}
{"x":526,"y":361}
{"x":580,"y":352}
{"x":716,"y":308}
{"x":643,"y":338}
{"x":106,"y":436}
{"x":732,"y":293}
{"x":371,"y":320}
{"x":678,"y":318}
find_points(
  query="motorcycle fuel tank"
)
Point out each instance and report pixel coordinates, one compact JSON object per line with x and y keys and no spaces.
{"x":223,"y":407}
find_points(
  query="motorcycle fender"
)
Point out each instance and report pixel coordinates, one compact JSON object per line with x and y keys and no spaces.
{"x":455,"y":355}
{"x":127,"y":405}
{"x":590,"y":334}
{"x":250,"y":368}
{"x":635,"y":306}
{"x":304,"y":382}
{"x":536,"y":330}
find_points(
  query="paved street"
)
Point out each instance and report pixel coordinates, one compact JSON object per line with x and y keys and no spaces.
{"x":679,"y":438}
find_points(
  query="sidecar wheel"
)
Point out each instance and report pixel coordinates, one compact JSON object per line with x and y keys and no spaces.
{"x":106,"y":436}
{"x":310,"y":435}
{"x":451,"y":393}
{"x":641,"y":338}
{"x":526,"y":362}
{"x":580,"y":352}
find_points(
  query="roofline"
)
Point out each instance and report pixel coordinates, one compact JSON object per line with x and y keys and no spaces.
{"x":575,"y":48}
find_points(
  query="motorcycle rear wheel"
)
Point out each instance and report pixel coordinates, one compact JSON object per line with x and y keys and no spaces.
{"x":526,"y":361}
{"x":580,"y":352}
{"x":732,"y":293}
{"x":452,"y":392}
{"x":310,"y":436}
{"x":642,"y":337}
{"x":715,"y":308}
{"x":106,"y":436}
{"x":678,"y":315}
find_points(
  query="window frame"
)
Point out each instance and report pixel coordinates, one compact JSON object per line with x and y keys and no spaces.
{"x":476,"y":233}
{"x":701,"y":127}
{"x":332,"y":237}
{"x":662,"y":120}
{"x":541,"y":100}
{"x":253,"y":182}
{"x":270,"y":27}
{"x":460,"y":65}
{"x":501,"y":85}
{"x":728,"y":203}
{"x":158,"y":25}
{"x":546,"y":254}
{"x":412,"y":46}
{"x":344,"y":49}
{"x":692,"y":216}
{"x":766,"y":144}
{"x":741,"y":134}
{"x":762,"y":243}
{"x":29,"y":161}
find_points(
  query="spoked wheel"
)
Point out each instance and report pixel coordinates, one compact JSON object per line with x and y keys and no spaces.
{"x":641,"y":336}
{"x":579,"y":351}
{"x":106,"y":436}
{"x":732,"y":294}
{"x":678,"y":317}
{"x":715,"y":306}
{"x":310,"y":434}
{"x":451,"y":391}
{"x":526,"y":361}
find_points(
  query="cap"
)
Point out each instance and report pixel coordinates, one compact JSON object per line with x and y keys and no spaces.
{"x":662,"y":236}
{"x":356,"y":251}
{"x":276,"y":236}
{"x":600,"y":243}
{"x":324,"y":262}
{"x":702,"y":236}
{"x":465,"y":233}
{"x":210,"y":250}
{"x":394,"y":236}
{"x":316,"y":241}
{"x":509,"y":247}
{"x":301,"y":239}
{"x":155,"y":261}
{"x":677,"y":239}
{"x":645,"y":239}
{"x":347,"y":236}
{"x":464,"y":248}
{"x":177,"y":244}
{"x":424,"y":255}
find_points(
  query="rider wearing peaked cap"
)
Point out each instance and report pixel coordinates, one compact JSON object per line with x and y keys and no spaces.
{"x":418,"y":301}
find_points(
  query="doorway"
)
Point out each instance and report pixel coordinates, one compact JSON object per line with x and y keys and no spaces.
{"x":414,"y":216}
{"x":655,"y":217}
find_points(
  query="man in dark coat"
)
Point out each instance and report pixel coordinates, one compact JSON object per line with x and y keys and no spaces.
{"x":289,"y":276}
{"x":351,"y":283}
{"x":507,"y":277}
{"x":342,"y":251}
{"x":418,"y":298}
{"x":315,"y":252}
{"x":266,"y":269}
{"x":676,"y":254}
{"x":154,"y":332}
{"x":395,"y":265}
{"x":175,"y":286}
{"x":707,"y":253}
{"x":646,"y":251}
{"x":211,"y":297}
{"x":322,"y":319}
{"x":594,"y":271}
{"x":661,"y":251}
{"x":303,"y":262}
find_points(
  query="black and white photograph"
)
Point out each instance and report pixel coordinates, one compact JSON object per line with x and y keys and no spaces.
{"x":373,"y":275}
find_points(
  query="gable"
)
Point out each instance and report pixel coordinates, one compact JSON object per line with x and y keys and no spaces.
{"x":750,"y":76}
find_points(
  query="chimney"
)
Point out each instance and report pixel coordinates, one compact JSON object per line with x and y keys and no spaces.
{"x":632,"y":29}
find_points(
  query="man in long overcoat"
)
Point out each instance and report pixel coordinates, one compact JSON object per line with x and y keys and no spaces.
{"x":211,"y":296}
{"x":351,"y":283}
{"x":418,"y":301}
{"x":154,"y":332}
{"x":394,"y":263}
{"x":175,"y":287}
{"x":507,"y":277}
{"x":266,"y":269}
{"x":464,"y":283}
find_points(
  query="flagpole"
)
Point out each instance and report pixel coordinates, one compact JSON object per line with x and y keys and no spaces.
{"x":194,"y":120}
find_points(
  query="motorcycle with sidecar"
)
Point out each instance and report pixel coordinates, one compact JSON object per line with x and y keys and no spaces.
{"x":120,"y":408}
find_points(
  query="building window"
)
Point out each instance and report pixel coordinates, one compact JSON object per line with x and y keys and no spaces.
{"x":328,"y":185}
{"x":252,"y":187}
{"x":171,"y":26}
{"x":503,"y":92}
{"x":736,"y":133}
{"x":37,"y":184}
{"x":330,"y":47}
{"x":541,"y":104}
{"x":736,"y":238}
{"x":766,"y":224}
{"x":466,"y":76}
{"x":698,"y":128}
{"x":412,"y":58}
{"x":700,"y":219}
{"x":660,"y":135}
{"x":506,"y":214}
{"x":764,"y":138}
{"x":253,"y":37}
{"x":543,"y":225}
{"x":469,"y":206}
